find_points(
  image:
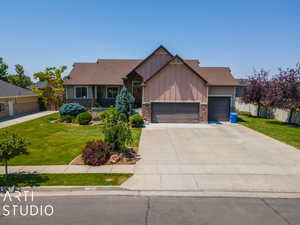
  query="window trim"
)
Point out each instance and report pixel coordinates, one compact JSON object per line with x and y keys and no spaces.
{"x":2,"y":107}
{"x":106,"y":92}
{"x":87,"y":92}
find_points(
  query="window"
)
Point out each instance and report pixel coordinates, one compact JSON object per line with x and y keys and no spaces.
{"x":112,"y":92}
{"x":1,"y":107}
{"x":81,"y":92}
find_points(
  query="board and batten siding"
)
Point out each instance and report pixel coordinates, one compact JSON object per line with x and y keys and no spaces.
{"x":175,"y":83}
{"x":223,"y":91}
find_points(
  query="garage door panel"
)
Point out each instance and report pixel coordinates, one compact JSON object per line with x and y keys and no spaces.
{"x":218,"y":108}
{"x":175,"y":112}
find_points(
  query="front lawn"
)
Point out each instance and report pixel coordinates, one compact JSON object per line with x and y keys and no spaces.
{"x":56,"y":143}
{"x":287,"y":133}
{"x":88,"y":179}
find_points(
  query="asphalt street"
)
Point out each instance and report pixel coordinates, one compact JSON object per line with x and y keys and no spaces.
{"x":125,"y":210}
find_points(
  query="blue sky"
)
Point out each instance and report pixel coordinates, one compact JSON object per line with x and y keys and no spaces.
{"x":240,"y":34}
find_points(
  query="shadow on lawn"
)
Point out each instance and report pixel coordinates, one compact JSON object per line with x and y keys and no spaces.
{"x":283,"y":124}
{"x":23,"y":179}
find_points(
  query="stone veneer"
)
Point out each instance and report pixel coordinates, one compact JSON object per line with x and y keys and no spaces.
{"x":146,"y":111}
{"x":203,"y":113}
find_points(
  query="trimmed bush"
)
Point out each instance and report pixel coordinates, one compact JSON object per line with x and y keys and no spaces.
{"x":136,"y":120}
{"x":103,"y":115}
{"x":67,"y":118}
{"x":71,"y":109}
{"x":95,"y":153}
{"x":84,"y":118}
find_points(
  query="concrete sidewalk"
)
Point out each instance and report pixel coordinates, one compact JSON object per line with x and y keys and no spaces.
{"x":21,"y":119}
{"x":70,"y":169}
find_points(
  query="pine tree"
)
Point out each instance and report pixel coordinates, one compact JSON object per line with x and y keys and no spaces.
{"x":124,"y":102}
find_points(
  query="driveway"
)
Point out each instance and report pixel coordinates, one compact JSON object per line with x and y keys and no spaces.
{"x":225,"y":157}
{"x":23,"y":118}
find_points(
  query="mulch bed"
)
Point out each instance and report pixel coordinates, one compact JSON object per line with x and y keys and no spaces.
{"x":123,"y":161}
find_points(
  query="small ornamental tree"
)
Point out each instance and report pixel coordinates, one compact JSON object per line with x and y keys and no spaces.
{"x":117,"y":133}
{"x":255,"y":91}
{"x":283,"y":91}
{"x":11,"y":145}
{"x":124,"y":102}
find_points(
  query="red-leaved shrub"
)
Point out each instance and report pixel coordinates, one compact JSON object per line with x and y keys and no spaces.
{"x":95,"y":153}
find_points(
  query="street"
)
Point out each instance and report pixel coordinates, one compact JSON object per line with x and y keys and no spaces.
{"x":125,"y":210}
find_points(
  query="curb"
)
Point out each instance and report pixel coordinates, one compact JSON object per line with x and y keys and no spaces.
{"x":56,"y":191}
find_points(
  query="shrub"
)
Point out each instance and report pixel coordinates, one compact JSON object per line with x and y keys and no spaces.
{"x":107,"y":113}
{"x":67,"y":118}
{"x":95,"y":153}
{"x":124,"y":102}
{"x":116,"y":132}
{"x":71,"y":109}
{"x":84,"y":118}
{"x":136,"y":120}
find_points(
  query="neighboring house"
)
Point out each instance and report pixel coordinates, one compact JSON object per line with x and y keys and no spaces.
{"x":39,"y":85}
{"x":168,"y":88}
{"x":15,"y":100}
{"x":240,"y":89}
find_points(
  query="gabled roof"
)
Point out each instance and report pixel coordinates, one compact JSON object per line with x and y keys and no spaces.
{"x":112,"y":71}
{"x":177,"y":57}
{"x":104,"y":72}
{"x":151,"y":64}
{"x":10,"y":90}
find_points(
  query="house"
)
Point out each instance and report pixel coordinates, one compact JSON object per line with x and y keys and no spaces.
{"x":167,"y":87}
{"x":15,"y":100}
{"x":240,"y":88}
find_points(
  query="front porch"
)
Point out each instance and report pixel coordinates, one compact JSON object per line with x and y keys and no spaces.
{"x":101,"y":95}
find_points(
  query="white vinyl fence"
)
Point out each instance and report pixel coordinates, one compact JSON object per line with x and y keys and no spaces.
{"x":272,"y":113}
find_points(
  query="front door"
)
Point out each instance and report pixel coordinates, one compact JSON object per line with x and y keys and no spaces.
{"x":137,"y":90}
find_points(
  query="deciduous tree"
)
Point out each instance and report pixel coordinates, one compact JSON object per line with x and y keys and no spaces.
{"x":256,"y":90}
{"x":52,"y":94}
{"x":19,"y":79}
{"x":3,"y":70}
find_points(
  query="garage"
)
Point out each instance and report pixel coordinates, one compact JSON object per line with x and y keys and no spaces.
{"x":218,"y":108}
{"x":175,"y":112}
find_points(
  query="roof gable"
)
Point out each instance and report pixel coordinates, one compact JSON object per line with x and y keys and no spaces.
{"x":177,"y":60}
{"x":150,"y":65}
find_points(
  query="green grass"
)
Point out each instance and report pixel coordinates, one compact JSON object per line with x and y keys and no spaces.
{"x":287,"y":133}
{"x":56,"y":143}
{"x":91,"y":179}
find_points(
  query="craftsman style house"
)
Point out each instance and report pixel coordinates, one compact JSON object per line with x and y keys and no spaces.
{"x":167,"y":87}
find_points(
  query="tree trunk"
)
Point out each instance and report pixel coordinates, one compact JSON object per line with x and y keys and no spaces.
{"x":291,"y":115}
{"x":6,"y":170}
{"x":258,"y":109}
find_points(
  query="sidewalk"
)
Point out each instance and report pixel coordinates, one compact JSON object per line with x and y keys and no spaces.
{"x":21,"y":119}
{"x":70,"y":169}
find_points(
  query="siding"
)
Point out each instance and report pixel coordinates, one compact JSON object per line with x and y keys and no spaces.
{"x":21,"y":105}
{"x":175,"y":83}
{"x":223,"y":91}
{"x":153,"y":64}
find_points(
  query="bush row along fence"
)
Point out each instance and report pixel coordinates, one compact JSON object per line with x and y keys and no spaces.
{"x":267,"y":112}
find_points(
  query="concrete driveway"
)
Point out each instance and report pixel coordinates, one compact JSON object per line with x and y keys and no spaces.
{"x":223,"y":157}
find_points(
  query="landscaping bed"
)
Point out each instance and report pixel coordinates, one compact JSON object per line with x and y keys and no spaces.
{"x":287,"y":133}
{"x":88,"y":179}
{"x":57,"y":143}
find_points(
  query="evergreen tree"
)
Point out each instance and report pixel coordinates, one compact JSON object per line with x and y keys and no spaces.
{"x":124,"y":102}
